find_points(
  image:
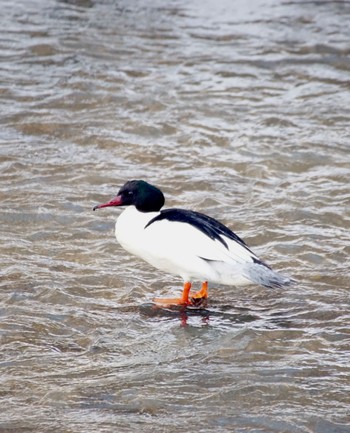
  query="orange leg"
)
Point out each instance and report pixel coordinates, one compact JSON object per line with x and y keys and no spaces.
{"x":201,"y":296}
{"x":164,"y":302}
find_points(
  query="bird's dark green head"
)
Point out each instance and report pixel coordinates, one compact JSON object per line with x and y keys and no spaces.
{"x":144,"y":196}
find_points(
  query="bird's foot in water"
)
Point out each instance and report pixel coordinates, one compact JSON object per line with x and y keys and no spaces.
{"x":170,"y":302}
{"x":199,"y":299}
{"x":173,"y":302}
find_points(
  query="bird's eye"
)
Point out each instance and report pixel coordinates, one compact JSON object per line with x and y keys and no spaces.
{"x":130,"y":193}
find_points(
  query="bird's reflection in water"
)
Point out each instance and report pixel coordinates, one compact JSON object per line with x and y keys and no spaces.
{"x":206,"y":315}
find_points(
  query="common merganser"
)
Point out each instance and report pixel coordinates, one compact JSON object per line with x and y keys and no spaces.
{"x":185,"y":243}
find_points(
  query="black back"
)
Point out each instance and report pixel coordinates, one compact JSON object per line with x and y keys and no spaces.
{"x":204,"y":223}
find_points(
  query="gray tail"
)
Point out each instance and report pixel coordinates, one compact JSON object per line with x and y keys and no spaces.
{"x":262,"y":274}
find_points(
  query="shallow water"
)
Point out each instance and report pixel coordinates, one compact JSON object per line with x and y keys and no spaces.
{"x":236,"y":109}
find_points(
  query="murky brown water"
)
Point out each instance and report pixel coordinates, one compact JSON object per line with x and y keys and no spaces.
{"x":238,"y":109}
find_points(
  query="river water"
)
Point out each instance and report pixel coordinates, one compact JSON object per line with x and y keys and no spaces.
{"x":239,"y":109}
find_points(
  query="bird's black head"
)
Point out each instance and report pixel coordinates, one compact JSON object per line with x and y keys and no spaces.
{"x":145,"y":197}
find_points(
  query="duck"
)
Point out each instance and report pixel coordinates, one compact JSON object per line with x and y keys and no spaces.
{"x":186,"y":243}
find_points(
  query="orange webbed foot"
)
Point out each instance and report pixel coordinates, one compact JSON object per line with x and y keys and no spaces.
{"x":173,"y":302}
{"x":200,"y":298}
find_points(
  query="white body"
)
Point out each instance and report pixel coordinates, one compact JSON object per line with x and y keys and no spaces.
{"x":181,"y":249}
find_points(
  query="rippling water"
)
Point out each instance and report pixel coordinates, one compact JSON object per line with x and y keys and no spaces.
{"x":237,"y":109}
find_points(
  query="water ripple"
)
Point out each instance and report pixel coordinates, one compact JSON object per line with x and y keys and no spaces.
{"x":236,"y":109}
